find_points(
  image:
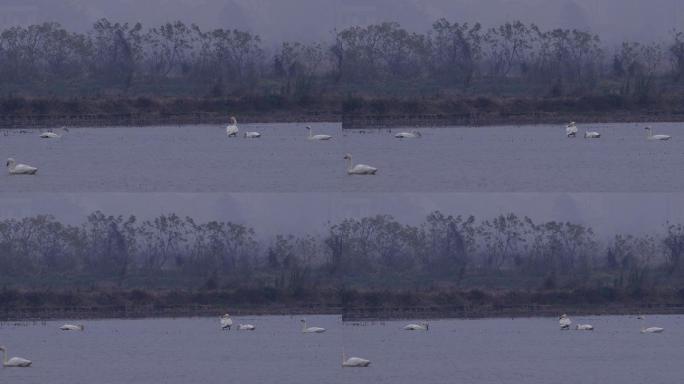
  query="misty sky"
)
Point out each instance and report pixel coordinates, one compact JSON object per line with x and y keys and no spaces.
{"x":296,"y":213}
{"x":275,"y":20}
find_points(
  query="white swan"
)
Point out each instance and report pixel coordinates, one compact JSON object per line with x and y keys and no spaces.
{"x":15,"y":361}
{"x":354,"y":361}
{"x":72,"y":327}
{"x":571,"y":129}
{"x":226,"y":322}
{"x":423,"y":326}
{"x":246,"y":327}
{"x":317,"y":137}
{"x":252,"y":135}
{"x":49,"y":135}
{"x":649,"y":329}
{"x":564,"y":322}
{"x":584,"y":327}
{"x":408,"y":135}
{"x":232,"y":129}
{"x":20,"y":169}
{"x":359,"y":169}
{"x":651,"y":136}
{"x":306,"y":329}
{"x":591,"y":134}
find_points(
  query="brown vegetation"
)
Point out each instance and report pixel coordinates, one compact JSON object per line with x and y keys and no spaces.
{"x":453,"y":69}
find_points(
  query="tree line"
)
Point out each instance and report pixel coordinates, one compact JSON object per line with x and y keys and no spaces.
{"x":377,"y":252}
{"x":180,"y":59}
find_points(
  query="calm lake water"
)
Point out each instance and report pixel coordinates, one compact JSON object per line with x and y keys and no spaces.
{"x":467,"y":159}
{"x":194,"y":350}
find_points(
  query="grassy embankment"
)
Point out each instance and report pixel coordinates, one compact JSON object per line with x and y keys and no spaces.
{"x":355,"y":112}
{"x":353,"y":304}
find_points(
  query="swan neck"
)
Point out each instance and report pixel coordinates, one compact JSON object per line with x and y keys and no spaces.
{"x":349,"y":163}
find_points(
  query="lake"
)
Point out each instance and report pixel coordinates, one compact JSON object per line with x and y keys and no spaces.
{"x":458,"y":159}
{"x":195,"y":350}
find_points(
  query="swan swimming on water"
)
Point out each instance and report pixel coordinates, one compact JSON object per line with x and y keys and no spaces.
{"x":232,"y":129}
{"x":650,"y":329}
{"x":306,"y":329}
{"x":72,"y":327}
{"x":591,"y":134}
{"x":226,"y":322}
{"x":584,"y":327}
{"x":246,"y":327}
{"x":651,"y":136}
{"x":317,"y":137}
{"x":359,"y":169}
{"x":354,"y":361}
{"x":15,"y":361}
{"x":408,"y":135}
{"x":423,"y":326}
{"x":20,"y":169}
{"x":49,"y":134}
{"x":564,"y":322}
{"x":571,"y":129}
{"x":252,"y":135}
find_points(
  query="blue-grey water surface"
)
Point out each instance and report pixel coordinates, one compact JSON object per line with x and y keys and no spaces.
{"x":181,"y":351}
{"x":458,"y":159}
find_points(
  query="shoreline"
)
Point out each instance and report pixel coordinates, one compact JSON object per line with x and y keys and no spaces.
{"x":21,"y":315}
{"x":351,"y":111}
{"x":370,"y":121}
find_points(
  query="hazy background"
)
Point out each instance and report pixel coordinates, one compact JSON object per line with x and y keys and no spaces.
{"x":300,"y":213}
{"x":277,"y":20}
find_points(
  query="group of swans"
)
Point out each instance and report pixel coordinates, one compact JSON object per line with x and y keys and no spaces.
{"x":360,"y":362}
{"x":23,"y":363}
{"x":565,"y":322}
{"x":23,"y":169}
{"x":227,"y":323}
{"x":571,"y":131}
{"x":232,"y":130}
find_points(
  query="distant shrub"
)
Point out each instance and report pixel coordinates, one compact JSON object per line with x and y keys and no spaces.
{"x":139,"y":296}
